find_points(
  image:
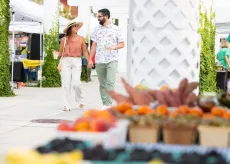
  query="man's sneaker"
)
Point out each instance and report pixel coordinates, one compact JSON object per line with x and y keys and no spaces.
{"x":104,"y":107}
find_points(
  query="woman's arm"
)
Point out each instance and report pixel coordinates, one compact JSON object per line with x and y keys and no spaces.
{"x":61,"y":47}
{"x":227,"y":61}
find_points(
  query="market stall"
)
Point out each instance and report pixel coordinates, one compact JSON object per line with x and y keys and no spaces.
{"x":169,"y":125}
{"x":28,"y":17}
{"x":146,"y":126}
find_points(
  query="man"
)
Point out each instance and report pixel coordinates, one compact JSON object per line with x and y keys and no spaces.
{"x":107,"y":39}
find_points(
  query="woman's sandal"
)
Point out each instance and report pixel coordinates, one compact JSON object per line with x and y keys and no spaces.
{"x":66,"y":109}
{"x":81,"y":105}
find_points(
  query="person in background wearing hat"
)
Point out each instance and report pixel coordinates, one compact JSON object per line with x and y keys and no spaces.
{"x":107,"y":39}
{"x":72,"y":49}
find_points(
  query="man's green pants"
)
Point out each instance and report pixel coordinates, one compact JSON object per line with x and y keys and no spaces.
{"x":106,"y":75}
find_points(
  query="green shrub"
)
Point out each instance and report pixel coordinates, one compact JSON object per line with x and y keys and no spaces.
{"x":5,"y":88}
{"x":207,"y":31}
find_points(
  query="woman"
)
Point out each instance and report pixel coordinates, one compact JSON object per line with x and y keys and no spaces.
{"x":223,"y":59}
{"x":224,"y":54}
{"x":72,"y":46}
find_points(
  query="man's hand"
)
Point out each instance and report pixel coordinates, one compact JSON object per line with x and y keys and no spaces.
{"x":90,"y":64}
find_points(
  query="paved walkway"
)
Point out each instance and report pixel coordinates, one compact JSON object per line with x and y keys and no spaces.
{"x":16,"y":113}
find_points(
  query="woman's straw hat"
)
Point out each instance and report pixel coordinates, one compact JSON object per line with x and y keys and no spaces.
{"x":73,"y":22}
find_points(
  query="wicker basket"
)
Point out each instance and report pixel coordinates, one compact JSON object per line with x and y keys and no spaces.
{"x":144,"y":134}
{"x":214,"y":136}
{"x":179,"y":134}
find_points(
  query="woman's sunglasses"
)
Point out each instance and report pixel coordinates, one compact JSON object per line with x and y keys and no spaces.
{"x":76,"y":25}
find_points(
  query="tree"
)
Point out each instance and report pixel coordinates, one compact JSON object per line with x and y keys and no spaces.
{"x":5,"y":88}
{"x":50,"y":74}
{"x":207,"y":31}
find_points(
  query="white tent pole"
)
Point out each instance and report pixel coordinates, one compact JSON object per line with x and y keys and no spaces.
{"x":41,"y":58}
{"x":13,"y":54}
{"x":129,"y":41}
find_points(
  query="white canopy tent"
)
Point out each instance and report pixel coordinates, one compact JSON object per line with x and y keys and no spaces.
{"x":27,"y":27}
{"x":222,"y":8}
{"x":27,"y":16}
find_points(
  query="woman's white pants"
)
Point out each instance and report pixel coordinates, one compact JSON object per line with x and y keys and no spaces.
{"x":71,"y":79}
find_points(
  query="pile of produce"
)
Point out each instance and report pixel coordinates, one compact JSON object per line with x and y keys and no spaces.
{"x":33,"y":157}
{"x":183,"y":95}
{"x":218,"y":116}
{"x":174,"y":116}
{"x":177,"y":125}
{"x":61,"y":146}
{"x":91,"y":121}
{"x":68,"y":151}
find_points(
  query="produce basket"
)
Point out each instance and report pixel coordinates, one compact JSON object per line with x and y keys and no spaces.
{"x":144,"y":134}
{"x":214,"y":136}
{"x":113,"y":138}
{"x":179,"y":134}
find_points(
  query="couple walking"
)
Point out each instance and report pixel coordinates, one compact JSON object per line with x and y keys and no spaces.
{"x":106,"y":40}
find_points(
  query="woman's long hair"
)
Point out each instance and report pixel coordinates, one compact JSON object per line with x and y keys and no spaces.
{"x":68,"y":33}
